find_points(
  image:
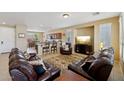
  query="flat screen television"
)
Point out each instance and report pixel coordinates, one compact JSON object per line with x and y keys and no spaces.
{"x":83,"y":40}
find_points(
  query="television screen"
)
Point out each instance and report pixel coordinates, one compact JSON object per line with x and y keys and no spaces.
{"x":83,"y":40}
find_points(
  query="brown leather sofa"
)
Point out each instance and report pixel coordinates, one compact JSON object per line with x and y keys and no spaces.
{"x":21,"y":70}
{"x":95,"y":67}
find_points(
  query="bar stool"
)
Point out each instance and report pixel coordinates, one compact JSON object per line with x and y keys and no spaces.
{"x":54,"y":47}
{"x":46,"y":48}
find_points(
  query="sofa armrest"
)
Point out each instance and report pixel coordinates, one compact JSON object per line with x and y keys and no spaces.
{"x":48,"y":66}
{"x":51,"y":73}
{"x":80,"y":71}
{"x":45,"y":76}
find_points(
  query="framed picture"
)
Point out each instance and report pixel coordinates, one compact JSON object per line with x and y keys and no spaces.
{"x":21,"y":35}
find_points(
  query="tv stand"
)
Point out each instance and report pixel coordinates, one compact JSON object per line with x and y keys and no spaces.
{"x":84,"y":49}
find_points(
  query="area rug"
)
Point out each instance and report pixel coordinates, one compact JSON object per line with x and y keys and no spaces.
{"x":62,"y":61}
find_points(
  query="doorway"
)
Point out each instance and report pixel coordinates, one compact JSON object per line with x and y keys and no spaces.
{"x":7,"y":39}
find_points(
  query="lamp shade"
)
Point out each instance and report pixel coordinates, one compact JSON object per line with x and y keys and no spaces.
{"x":101,"y":45}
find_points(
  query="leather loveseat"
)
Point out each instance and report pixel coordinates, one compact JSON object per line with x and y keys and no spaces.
{"x":95,"y":67}
{"x":21,"y":70}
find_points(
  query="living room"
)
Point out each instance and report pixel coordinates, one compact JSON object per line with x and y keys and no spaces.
{"x":68,"y":38}
{"x":61,"y":46}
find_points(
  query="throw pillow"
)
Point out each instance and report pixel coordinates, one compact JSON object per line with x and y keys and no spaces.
{"x":39,"y":69}
{"x":31,"y":50}
{"x":38,"y":62}
{"x":66,"y":48}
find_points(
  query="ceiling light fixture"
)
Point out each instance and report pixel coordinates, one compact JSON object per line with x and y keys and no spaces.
{"x":65,"y":15}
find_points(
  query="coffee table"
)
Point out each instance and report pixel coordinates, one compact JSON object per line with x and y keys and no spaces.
{"x":69,"y":75}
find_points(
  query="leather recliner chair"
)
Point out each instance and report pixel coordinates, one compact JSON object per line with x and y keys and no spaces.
{"x":65,"y":52}
{"x":68,"y":51}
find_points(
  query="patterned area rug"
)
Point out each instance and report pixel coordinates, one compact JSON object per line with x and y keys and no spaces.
{"x":62,"y":61}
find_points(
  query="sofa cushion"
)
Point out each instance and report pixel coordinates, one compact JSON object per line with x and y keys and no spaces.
{"x":25,"y":68}
{"x":17,"y":75}
{"x":85,"y":63}
{"x":99,"y":69}
{"x":16,"y":60}
{"x":96,"y":54}
{"x":110,"y":50}
{"x":89,"y":58}
{"x":106,"y":54}
{"x":16,"y":56}
{"x":15,"y":51}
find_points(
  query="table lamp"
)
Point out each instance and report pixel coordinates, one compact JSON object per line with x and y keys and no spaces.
{"x":101,"y":45}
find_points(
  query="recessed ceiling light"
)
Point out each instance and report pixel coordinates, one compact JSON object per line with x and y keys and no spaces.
{"x":65,"y":15}
{"x":3,"y":22}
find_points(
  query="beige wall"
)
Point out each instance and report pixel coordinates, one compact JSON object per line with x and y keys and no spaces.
{"x":96,"y":24}
{"x":58,"y":31}
{"x":115,"y":34}
{"x":21,"y":43}
{"x":39,"y":35}
{"x":85,"y":31}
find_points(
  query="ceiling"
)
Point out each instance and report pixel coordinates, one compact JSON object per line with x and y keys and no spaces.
{"x":44,"y":21}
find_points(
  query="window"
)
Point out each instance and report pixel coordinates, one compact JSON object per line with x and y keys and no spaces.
{"x":105,"y":34}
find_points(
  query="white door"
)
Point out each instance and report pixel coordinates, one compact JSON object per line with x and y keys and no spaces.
{"x":7,"y":39}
